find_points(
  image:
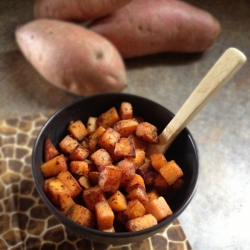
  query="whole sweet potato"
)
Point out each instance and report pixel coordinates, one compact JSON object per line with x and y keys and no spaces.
{"x":71,"y":57}
{"x":146,"y":27}
{"x":82,"y":10}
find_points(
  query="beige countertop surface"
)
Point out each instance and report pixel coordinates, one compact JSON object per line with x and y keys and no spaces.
{"x":219,"y":214}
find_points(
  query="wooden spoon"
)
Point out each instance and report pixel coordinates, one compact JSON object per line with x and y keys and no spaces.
{"x":223,"y":70}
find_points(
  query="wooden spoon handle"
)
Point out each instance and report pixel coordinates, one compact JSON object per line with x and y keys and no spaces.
{"x":227,"y":65}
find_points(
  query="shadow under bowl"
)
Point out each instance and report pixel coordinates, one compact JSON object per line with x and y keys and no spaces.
{"x":183,"y":150}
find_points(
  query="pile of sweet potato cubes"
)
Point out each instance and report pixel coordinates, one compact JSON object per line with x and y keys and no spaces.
{"x":101,"y":178}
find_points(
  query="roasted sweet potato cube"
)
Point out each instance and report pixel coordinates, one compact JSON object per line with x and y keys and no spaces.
{"x":84,"y":182}
{"x":147,"y":132}
{"x":135,"y":209}
{"x":161,"y":185}
{"x":171,"y":172}
{"x":68,"y":144}
{"x":136,"y":180}
{"x":85,"y":143}
{"x":59,"y":195}
{"x":50,"y":150}
{"x":139,"y":158}
{"x":158,"y":160}
{"x":101,"y":158}
{"x":152,"y":195}
{"x":77,"y":130}
{"x":94,"y":177}
{"x":92,"y":125}
{"x":138,"y":192}
{"x":148,"y":173}
{"x":82,"y":216}
{"x":108,"y":118}
{"x":141,"y":223}
{"x":117,"y":201}
{"x":128,"y":171}
{"x":94,"y":138}
{"x":110,"y":178}
{"x":104,"y":216}
{"x":159,"y":208}
{"x":70,"y":182}
{"x":125,"y":148}
{"x":79,"y":167}
{"x":139,"y":144}
{"x":93,"y":195}
{"x":108,"y":139}
{"x":121,"y":217}
{"x":126,"y":110}
{"x":126,"y":127}
{"x":54,"y":166}
{"x":79,"y":154}
{"x":46,"y":184}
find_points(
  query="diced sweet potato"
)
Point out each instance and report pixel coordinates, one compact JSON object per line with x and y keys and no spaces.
{"x":94,"y":138}
{"x":108,"y":118}
{"x":50,"y":150}
{"x":70,"y":182}
{"x":121,"y":217}
{"x":147,"y":132}
{"x":158,"y":160}
{"x":108,"y":139}
{"x":101,"y":158}
{"x":159,"y":209}
{"x":110,"y":178}
{"x":68,"y":144}
{"x":125,"y":148}
{"x":152,"y":195}
{"x":117,"y":201}
{"x":136,"y":180}
{"x":138,"y":192}
{"x":104,"y":216}
{"x":139,"y":158}
{"x":81,"y":215}
{"x":59,"y":195}
{"x":135,"y":209}
{"x":92,"y":125}
{"x":94,"y":177}
{"x":84,"y":182}
{"x":79,"y":154}
{"x":126,"y":127}
{"x":141,"y":223}
{"x":139,"y":144}
{"x":148,"y":173}
{"x":126,"y":110}
{"x":171,"y":172}
{"x":54,"y":166}
{"x":79,"y":167}
{"x":161,"y":185}
{"x":93,"y":195}
{"x":77,"y":130}
{"x":128,"y":171}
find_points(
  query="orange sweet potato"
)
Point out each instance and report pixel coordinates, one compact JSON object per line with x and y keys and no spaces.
{"x":72,"y":57}
{"x":76,"y":9}
{"x":146,"y":27}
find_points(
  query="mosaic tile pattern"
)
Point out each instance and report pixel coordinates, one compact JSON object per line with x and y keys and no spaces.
{"x":26,"y":223}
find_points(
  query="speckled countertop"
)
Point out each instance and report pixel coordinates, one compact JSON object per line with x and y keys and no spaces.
{"x":219,"y":215}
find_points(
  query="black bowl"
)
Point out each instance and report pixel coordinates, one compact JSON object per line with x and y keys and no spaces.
{"x":183,"y":150}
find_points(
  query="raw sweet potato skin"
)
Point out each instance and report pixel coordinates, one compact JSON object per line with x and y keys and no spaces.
{"x":81,"y":10}
{"x":145,"y":27}
{"x":72,"y":57}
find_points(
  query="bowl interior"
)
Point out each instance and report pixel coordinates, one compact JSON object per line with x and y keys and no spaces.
{"x":183,"y":150}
